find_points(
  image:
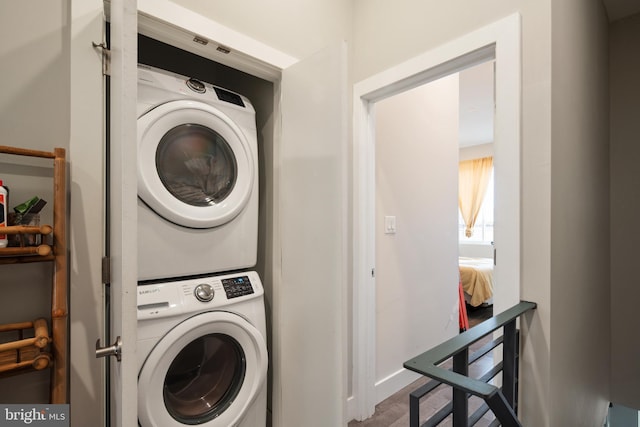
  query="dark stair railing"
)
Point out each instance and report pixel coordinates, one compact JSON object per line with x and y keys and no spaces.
{"x":502,"y":401}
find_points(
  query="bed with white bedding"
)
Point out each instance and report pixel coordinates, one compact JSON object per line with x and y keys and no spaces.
{"x":476,"y":277}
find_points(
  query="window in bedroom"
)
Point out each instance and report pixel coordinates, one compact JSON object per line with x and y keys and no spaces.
{"x":483,"y":228}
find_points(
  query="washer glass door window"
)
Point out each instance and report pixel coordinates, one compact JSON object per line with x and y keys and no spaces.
{"x":204,"y":379}
{"x":206,"y":371}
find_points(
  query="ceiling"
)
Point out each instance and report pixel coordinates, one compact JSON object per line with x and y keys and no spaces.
{"x":476,"y":105}
{"x":618,"y":9}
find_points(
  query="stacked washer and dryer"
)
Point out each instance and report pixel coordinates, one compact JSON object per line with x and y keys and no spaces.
{"x":202,"y":353}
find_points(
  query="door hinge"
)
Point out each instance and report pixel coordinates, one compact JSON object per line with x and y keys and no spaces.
{"x":106,"y":58}
{"x":106,"y":270}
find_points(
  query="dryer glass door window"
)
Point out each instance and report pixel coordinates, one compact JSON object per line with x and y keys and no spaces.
{"x":204,"y":379}
{"x":196,"y":165}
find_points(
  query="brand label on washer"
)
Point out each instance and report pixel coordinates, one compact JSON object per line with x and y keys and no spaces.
{"x":154,"y":300}
{"x":154,"y":293}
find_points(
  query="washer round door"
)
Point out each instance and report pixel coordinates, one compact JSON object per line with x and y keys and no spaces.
{"x":206,"y":371}
{"x":195,"y":165}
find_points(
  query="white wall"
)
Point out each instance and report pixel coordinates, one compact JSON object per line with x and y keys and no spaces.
{"x":416,"y":268}
{"x":624,"y":69}
{"x":475,"y":250}
{"x":580,"y":277}
{"x":297,"y":27}
{"x":477,"y":105}
{"x":41,"y":109}
{"x":476,"y":151}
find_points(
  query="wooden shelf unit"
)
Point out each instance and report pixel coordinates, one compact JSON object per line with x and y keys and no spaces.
{"x":59,"y":341}
{"x":23,"y":354}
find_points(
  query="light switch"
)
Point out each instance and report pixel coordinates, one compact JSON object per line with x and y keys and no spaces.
{"x":389,"y":225}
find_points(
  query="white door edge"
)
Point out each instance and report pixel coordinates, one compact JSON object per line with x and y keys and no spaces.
{"x":312,"y":305}
{"x":502,"y":39}
{"x":123,"y":210}
{"x":86,"y":172}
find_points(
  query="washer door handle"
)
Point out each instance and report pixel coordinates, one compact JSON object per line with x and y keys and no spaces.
{"x":112,"y":350}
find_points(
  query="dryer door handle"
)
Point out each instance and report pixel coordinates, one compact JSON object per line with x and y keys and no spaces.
{"x":112,"y":350}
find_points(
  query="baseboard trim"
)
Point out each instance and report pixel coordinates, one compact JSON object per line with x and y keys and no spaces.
{"x":384,"y":389}
{"x":351,"y":408}
{"x":393,"y":383}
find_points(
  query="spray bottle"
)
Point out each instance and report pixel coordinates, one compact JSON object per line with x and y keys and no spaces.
{"x":3,"y":215}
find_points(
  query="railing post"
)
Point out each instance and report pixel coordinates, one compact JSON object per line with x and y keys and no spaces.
{"x":503,"y":412}
{"x":509,"y":353}
{"x":414,"y":411}
{"x":460,"y":401}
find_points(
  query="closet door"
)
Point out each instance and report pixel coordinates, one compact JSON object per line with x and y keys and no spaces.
{"x":86,"y":206}
{"x":122,"y":214}
{"x":310,"y":304}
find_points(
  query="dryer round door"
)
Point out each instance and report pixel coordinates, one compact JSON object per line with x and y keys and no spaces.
{"x":206,"y":371}
{"x":195,"y":165}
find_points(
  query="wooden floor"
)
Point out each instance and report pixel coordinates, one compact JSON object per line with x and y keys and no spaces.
{"x":394,"y":411}
{"x":479,"y":314}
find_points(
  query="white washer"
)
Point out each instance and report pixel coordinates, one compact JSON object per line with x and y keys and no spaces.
{"x":202,"y":353}
{"x":197,"y":177}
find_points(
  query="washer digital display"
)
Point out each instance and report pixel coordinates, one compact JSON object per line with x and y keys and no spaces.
{"x":238,"y":286}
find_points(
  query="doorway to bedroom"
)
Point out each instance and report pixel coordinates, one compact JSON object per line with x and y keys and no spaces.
{"x":422,"y":135}
{"x":406,"y":222}
{"x":476,"y":219}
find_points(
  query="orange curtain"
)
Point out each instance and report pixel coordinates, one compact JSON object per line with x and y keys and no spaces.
{"x":474,"y":176}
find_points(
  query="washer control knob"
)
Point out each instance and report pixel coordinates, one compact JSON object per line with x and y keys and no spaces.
{"x":196,"y":86}
{"x":204,"y":292}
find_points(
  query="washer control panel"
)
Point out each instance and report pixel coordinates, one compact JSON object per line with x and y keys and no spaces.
{"x":196,"y":294}
{"x":237,"y":286}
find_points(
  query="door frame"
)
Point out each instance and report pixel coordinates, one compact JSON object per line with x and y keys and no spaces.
{"x":500,"y":40}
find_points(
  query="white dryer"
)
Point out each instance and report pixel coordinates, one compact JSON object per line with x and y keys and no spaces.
{"x":197,"y":177}
{"x":202,"y":353}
